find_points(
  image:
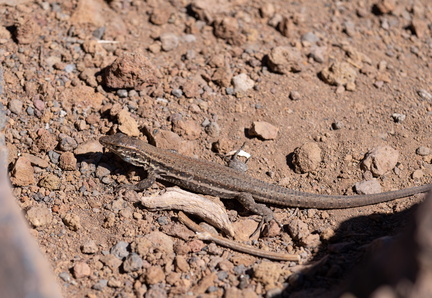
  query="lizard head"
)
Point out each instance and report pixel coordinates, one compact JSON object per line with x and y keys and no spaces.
{"x":129,"y":149}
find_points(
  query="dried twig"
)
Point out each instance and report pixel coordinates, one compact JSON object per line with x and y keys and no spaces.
{"x":178,"y":199}
{"x":205,"y":235}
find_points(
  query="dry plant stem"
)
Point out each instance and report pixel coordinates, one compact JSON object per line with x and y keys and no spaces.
{"x":205,"y":235}
{"x":178,"y":199}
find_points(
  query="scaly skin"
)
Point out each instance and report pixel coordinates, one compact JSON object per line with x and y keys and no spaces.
{"x":213,"y":179}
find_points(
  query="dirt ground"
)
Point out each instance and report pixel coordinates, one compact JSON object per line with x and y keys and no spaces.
{"x":347,"y":76}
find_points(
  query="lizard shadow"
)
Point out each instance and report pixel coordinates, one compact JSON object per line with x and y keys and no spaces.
{"x":360,"y":257}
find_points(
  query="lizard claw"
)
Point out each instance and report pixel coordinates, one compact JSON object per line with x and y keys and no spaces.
{"x":264,"y":220}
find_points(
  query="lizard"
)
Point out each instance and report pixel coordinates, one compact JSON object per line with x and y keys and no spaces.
{"x":210,"y":178}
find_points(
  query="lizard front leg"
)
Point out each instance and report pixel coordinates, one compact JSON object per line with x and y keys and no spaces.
{"x":144,"y":183}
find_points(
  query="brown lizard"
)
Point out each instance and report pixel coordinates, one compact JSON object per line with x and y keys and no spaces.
{"x":217,"y":180}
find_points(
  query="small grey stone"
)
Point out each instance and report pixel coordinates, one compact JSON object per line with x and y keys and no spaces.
{"x":368,"y":187}
{"x":310,"y":37}
{"x":212,"y":129}
{"x":424,"y":94}
{"x":318,"y":53}
{"x":190,"y":54}
{"x":242,"y":82}
{"x":122,"y":93}
{"x":100,"y":285}
{"x":99,"y":32}
{"x":423,"y":151}
{"x":229,"y":90}
{"x":398,"y":117}
{"x":177,"y":93}
{"x":65,"y":276}
{"x":70,"y":68}
{"x":169,"y":41}
{"x":385,"y":24}
{"x":350,"y":28}
{"x":205,"y":122}
{"x":212,"y":289}
{"x":133,"y":93}
{"x":238,"y":165}
{"x":337,"y":125}
{"x":275,"y":20}
{"x":67,"y":143}
{"x":222,"y":275}
{"x":189,"y":38}
{"x":103,"y":170}
{"x":132,"y":263}
{"x":30,"y":111}
{"x":120,"y":250}
{"x":163,"y":220}
{"x":15,"y":106}
{"x":378,"y":84}
{"x":89,"y":247}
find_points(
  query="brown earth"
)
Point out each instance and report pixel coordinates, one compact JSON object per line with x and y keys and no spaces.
{"x":347,"y":76}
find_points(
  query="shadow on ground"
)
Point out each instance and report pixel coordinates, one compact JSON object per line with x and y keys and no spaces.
{"x":372,"y":256}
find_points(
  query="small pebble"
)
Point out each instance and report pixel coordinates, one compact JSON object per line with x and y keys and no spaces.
{"x":242,"y":83}
{"x":307,"y":157}
{"x":222,"y":275}
{"x":310,"y":37}
{"x":39,"y":215}
{"x":67,"y":143}
{"x":69,"y":68}
{"x":89,"y":247}
{"x":294,"y":95}
{"x":30,"y":111}
{"x":368,"y":187}
{"x":417,"y":174}
{"x":54,"y":157}
{"x":423,"y":151}
{"x":229,"y":91}
{"x":81,"y":270}
{"x":120,"y":250}
{"x":424,"y":94}
{"x":15,"y":106}
{"x":100,"y":285}
{"x":337,"y":125}
{"x":122,"y":93}
{"x":132,"y":263}
{"x":177,"y":93}
{"x":264,"y":130}
{"x":380,"y":160}
{"x":163,"y":220}
{"x":398,"y":118}
{"x":65,"y":276}
{"x":169,"y":41}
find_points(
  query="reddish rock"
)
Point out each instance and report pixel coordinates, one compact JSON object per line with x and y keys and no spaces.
{"x":46,"y":140}
{"x":23,"y":173}
{"x":264,"y":130}
{"x":189,"y":129}
{"x":27,"y":31}
{"x":228,"y":29}
{"x":68,"y":162}
{"x":81,"y":270}
{"x":131,"y":71}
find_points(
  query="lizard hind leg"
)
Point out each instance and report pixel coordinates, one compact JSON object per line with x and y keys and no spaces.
{"x":249,"y":203}
{"x":143,"y":184}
